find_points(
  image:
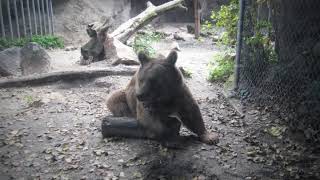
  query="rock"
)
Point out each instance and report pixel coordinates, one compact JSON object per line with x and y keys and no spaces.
{"x":70,"y":48}
{"x":182,"y":36}
{"x":190,"y":29}
{"x":23,"y":61}
{"x":176,"y":36}
{"x":35,"y":60}
{"x":84,"y":61}
{"x":10,"y":60}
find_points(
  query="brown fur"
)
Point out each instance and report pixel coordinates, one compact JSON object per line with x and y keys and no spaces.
{"x":159,"y":99}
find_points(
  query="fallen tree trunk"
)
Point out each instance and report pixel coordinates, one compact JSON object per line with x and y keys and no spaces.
{"x":127,"y":29}
{"x":94,"y":50}
{"x":34,"y":80}
{"x":115,"y":49}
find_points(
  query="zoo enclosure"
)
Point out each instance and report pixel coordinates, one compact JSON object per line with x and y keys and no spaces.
{"x":279,"y":67}
{"x":25,"y":18}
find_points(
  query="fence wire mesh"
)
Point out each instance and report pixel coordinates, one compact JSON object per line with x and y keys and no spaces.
{"x":280,"y":66}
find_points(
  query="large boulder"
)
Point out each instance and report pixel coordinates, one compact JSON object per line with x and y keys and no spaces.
{"x":30,"y":59}
{"x":35,"y":59}
{"x":10,"y":60}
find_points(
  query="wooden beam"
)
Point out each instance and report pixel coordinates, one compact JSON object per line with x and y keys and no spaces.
{"x":196,"y":18}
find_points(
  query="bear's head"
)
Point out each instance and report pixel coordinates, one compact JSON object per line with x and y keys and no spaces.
{"x":158,"y":80}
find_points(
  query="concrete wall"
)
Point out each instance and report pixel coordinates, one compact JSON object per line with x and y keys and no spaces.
{"x":72,"y":16}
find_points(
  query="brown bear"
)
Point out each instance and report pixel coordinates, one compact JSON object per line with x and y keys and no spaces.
{"x":159,"y":100}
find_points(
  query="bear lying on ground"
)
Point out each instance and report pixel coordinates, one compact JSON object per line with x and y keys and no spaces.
{"x":159,"y":100}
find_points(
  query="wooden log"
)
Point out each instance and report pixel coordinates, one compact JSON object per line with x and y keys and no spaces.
{"x":94,"y":49}
{"x":127,"y":127}
{"x":122,"y":127}
{"x":127,"y":29}
{"x":40,"y":79}
{"x":115,"y":49}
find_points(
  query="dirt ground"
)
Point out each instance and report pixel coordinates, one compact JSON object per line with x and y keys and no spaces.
{"x":53,"y":132}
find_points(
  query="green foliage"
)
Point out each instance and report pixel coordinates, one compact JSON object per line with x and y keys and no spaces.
{"x":221,"y":67}
{"x":48,"y":41}
{"x":29,"y":99}
{"x":262,"y":40}
{"x":44,"y":41}
{"x":186,"y":72}
{"x":226,"y":18}
{"x":143,"y":42}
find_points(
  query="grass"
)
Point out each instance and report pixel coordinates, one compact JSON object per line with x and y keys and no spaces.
{"x":29,"y":99}
{"x":44,"y":41}
{"x":221,"y":67}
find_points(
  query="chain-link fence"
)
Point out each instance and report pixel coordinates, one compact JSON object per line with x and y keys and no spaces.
{"x":280,"y":60}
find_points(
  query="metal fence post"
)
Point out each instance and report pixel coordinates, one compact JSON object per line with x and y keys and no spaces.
{"x":43,"y":17}
{"x":16,"y":17}
{"x":47,"y":15}
{"x":34,"y":17}
{"x":23,"y":18}
{"x":239,"y":45}
{"x":40,"y":19}
{"x":29,"y":18}
{"x":1,"y":21}
{"x":9,"y":18}
{"x":51,"y":16}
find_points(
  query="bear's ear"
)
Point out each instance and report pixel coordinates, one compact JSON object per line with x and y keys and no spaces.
{"x":172,"y":57}
{"x":143,"y":58}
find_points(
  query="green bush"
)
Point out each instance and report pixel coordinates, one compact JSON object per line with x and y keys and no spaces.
{"x":144,"y":41}
{"x":44,"y":41}
{"x":187,"y":73}
{"x":48,"y":41}
{"x":226,"y":18}
{"x":221,"y":68}
{"x":261,"y":41}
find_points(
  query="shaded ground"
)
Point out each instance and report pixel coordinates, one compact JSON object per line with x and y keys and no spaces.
{"x":53,"y":132}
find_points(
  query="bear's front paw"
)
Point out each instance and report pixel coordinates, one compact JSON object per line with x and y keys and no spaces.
{"x":210,"y":138}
